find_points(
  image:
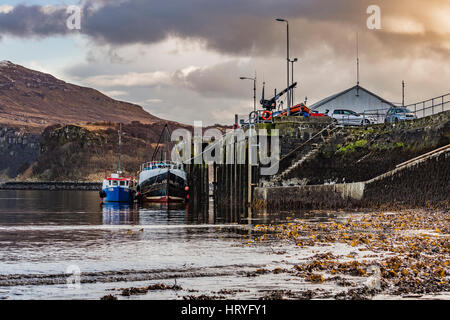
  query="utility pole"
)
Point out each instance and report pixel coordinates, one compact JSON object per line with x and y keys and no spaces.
{"x":254,"y":94}
{"x":403,"y":93}
{"x":287,"y":58}
{"x":357,"y":60}
{"x":357,"y":65}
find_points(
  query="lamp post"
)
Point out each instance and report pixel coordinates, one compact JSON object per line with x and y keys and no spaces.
{"x":292,"y":75}
{"x":254,"y":90}
{"x":287,"y":45}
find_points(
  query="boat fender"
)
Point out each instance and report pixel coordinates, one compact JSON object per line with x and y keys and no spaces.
{"x":186,"y":188}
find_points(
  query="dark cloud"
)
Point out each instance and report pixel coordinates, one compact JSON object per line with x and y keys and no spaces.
{"x":228,"y":26}
{"x":323,"y":36}
{"x":26,"y":21}
{"x":234,"y":27}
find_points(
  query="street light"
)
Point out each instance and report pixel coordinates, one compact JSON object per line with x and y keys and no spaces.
{"x":287,"y":43}
{"x":292,"y":75}
{"x":254,"y":90}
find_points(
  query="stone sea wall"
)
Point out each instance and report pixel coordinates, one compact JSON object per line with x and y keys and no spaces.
{"x":64,"y":185}
{"x":424,"y":183}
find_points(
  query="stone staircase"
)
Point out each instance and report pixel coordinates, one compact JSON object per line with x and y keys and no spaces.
{"x":299,"y":155}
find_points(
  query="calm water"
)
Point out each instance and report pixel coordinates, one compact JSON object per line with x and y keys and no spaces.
{"x":64,"y":245}
{"x":46,"y":234}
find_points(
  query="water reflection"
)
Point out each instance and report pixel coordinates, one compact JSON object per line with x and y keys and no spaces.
{"x":83,"y":208}
{"x":117,"y":213}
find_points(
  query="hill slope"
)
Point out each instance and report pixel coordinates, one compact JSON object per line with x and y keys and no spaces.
{"x":35,"y":99}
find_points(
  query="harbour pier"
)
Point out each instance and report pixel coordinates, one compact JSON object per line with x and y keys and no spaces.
{"x":324,"y":165}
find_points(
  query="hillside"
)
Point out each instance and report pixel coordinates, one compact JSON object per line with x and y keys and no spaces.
{"x":85,"y":153}
{"x":36,"y":100}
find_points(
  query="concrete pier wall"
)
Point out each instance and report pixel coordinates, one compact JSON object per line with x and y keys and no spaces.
{"x":419,"y":183}
{"x":310,"y":197}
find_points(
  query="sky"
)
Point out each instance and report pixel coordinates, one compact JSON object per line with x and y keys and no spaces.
{"x":181,"y":59}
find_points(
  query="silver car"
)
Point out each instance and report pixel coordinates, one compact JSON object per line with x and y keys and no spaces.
{"x":349,"y":117}
{"x":396,"y":114}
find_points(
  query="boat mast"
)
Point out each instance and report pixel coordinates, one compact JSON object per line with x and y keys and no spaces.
{"x":120,"y":142}
{"x":161,"y":147}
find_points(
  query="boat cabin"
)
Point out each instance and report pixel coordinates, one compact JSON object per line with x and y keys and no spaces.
{"x":117,"y":180}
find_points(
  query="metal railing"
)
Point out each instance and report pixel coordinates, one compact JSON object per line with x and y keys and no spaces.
{"x":420,"y":109}
{"x":160,"y":165}
{"x":257,"y":117}
{"x":431,"y":106}
{"x":290,"y":156}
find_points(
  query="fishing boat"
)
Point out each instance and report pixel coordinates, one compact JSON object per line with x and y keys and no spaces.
{"x":162,"y":180}
{"x":117,"y":187}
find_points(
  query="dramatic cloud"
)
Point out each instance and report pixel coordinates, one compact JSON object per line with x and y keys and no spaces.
{"x":26,"y":21}
{"x":182,"y":59}
{"x":237,"y":27}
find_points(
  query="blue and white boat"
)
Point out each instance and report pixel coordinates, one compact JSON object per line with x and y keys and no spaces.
{"x":117,"y":187}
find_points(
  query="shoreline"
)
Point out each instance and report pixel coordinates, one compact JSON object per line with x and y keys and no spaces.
{"x":51,"y":185}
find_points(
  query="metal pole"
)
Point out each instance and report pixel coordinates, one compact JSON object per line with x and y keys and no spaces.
{"x":254,"y":90}
{"x":250,"y":160}
{"x":403,"y":93}
{"x":288,"y":96}
{"x":292,"y":82}
{"x":120,"y":142}
{"x":254,"y":94}
{"x":287,"y":42}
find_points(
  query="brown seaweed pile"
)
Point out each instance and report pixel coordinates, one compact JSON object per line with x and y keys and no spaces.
{"x":408,"y":252}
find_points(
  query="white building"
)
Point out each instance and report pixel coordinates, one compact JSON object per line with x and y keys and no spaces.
{"x":356,"y":99}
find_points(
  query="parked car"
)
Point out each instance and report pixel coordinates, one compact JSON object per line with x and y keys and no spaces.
{"x":396,"y":114}
{"x":349,"y":117}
